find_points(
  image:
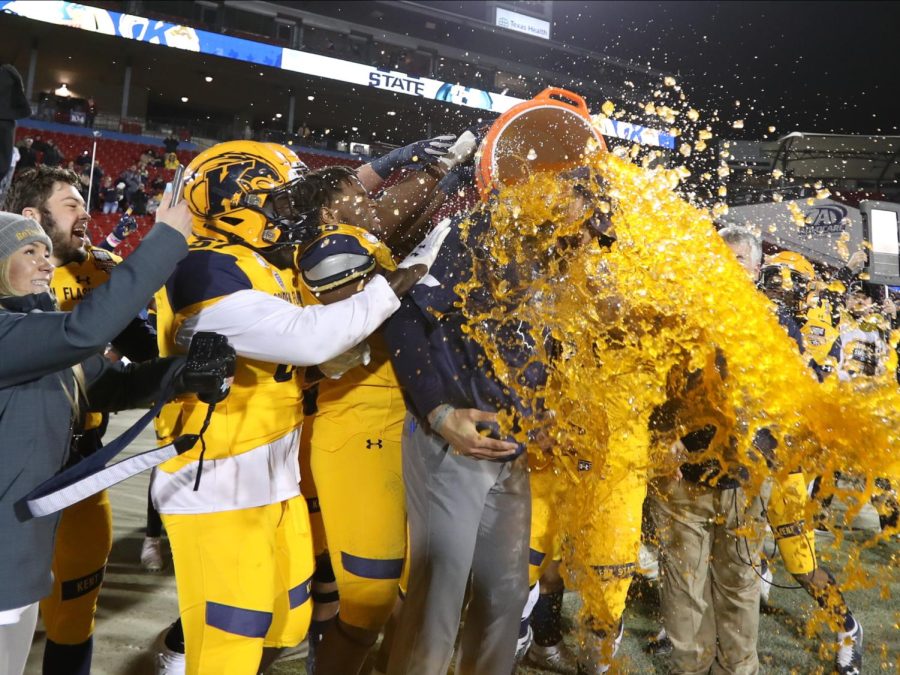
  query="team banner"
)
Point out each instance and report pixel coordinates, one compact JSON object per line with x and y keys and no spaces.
{"x":153,"y":31}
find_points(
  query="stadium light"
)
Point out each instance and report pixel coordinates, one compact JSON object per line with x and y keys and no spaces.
{"x":208,"y":78}
{"x":184,"y":99}
{"x":63,"y":90}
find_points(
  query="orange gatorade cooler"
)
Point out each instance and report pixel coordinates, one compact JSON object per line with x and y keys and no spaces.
{"x":551,"y":132}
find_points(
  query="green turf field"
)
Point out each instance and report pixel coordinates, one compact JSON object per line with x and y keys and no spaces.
{"x":783,"y":644}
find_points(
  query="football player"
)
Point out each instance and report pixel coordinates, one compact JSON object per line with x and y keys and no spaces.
{"x":238,"y":527}
{"x":354,"y":440}
{"x":786,"y":279}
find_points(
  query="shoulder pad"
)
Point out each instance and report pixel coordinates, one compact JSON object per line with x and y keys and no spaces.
{"x":335,"y":260}
{"x":204,"y":275}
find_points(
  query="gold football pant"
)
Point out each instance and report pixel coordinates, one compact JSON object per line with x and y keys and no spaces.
{"x":83,"y":542}
{"x":359,"y":481}
{"x":244,"y":580}
{"x":786,"y":514}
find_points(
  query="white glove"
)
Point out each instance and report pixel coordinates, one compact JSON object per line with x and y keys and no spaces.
{"x":460,"y":151}
{"x":426,"y":252}
{"x":360,"y":355}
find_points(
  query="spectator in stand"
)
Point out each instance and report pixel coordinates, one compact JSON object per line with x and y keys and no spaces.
{"x":153,"y":203}
{"x":132,"y":180}
{"x":156,"y":191}
{"x":27,"y":154}
{"x":303,"y":133}
{"x":139,"y":203}
{"x":148,"y":158}
{"x":91,"y":113}
{"x":89,"y":184}
{"x":83,"y":159}
{"x":110,"y":195}
{"x":171,"y":143}
{"x":84,"y":181}
{"x":52,"y":155}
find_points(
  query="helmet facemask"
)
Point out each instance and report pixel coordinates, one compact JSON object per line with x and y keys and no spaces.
{"x":289,"y":224}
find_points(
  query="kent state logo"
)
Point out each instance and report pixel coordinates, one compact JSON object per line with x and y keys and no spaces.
{"x":383,"y":79}
{"x":827,"y":219}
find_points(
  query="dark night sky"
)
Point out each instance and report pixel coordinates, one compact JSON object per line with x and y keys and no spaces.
{"x":811,"y":66}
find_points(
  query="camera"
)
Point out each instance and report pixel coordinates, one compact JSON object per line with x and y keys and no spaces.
{"x":210,"y":363}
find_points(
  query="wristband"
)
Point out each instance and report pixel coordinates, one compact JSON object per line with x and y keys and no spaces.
{"x":385,"y":165}
{"x":440,"y":416}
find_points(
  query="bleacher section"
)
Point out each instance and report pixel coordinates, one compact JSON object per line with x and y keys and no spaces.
{"x":117,"y":151}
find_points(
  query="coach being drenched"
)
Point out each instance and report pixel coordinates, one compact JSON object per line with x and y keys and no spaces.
{"x":467,"y":495}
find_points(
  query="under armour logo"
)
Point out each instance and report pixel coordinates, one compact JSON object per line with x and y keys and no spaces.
{"x":83,"y":281}
{"x":373,"y":444}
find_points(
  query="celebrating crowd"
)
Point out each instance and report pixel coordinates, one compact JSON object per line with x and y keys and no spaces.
{"x":352,"y":485}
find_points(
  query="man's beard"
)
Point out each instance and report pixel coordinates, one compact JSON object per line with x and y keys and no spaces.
{"x":63,"y":250}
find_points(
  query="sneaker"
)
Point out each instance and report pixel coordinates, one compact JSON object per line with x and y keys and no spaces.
{"x":595,"y":652}
{"x":849,"y":657}
{"x":168,"y":662}
{"x":556,"y":658}
{"x":660,"y":645}
{"x":524,"y":644}
{"x":648,"y":562}
{"x":301,"y":651}
{"x":151,"y":554}
{"x":765,"y":584}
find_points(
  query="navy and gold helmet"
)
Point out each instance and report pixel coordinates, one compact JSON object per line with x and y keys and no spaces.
{"x":248,"y":192}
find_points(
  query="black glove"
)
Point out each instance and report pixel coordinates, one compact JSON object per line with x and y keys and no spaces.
{"x":416,"y":155}
{"x":457,"y":179}
{"x":209,"y":367}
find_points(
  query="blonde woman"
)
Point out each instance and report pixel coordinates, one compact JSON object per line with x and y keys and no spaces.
{"x":51,"y":367}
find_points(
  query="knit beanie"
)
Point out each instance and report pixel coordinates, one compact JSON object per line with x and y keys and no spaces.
{"x":17,"y":231}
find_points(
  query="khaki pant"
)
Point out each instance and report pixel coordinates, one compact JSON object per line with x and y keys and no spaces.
{"x":467,"y":518}
{"x":710,"y":588}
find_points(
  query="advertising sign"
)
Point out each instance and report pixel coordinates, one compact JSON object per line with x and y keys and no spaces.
{"x":153,"y":31}
{"x":522,"y":23}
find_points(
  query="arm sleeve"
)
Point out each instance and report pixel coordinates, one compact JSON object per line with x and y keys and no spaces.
{"x":406,"y":334}
{"x":115,"y":386}
{"x":138,"y":341}
{"x":262,"y":327}
{"x":44,"y":342}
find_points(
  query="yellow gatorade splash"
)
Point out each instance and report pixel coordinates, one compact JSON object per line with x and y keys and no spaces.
{"x":614,"y":325}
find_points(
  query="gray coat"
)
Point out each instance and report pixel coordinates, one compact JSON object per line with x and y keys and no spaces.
{"x":37,"y":352}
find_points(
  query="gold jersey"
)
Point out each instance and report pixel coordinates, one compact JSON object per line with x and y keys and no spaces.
{"x":365,"y":253}
{"x":72,"y":282}
{"x":265,"y":402}
{"x":820,"y":332}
